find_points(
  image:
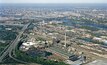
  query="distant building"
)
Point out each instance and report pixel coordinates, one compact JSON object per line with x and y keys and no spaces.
{"x":25,"y":46}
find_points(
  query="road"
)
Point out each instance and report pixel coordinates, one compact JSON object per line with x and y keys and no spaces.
{"x":13,"y":44}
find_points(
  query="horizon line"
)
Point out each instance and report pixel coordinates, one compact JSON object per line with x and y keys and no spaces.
{"x":53,"y":3}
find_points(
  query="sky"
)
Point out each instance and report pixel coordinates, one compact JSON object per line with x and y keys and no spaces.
{"x":53,"y":1}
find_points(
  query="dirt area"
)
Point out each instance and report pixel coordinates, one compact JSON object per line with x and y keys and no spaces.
{"x":56,"y":57}
{"x":90,"y":56}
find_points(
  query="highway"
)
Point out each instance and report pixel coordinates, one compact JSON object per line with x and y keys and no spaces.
{"x":13,"y":44}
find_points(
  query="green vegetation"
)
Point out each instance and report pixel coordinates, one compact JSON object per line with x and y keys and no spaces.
{"x":1,"y":49}
{"x":7,"y":35}
{"x":14,"y":27}
{"x":9,"y":61}
{"x":3,"y":45}
{"x":91,"y":40}
{"x":40,"y":60}
{"x":40,"y":39}
{"x":90,"y":28}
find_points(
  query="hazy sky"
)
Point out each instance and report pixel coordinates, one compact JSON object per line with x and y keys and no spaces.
{"x":53,"y":1}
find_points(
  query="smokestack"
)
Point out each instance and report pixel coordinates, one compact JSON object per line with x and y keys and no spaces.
{"x":65,"y":38}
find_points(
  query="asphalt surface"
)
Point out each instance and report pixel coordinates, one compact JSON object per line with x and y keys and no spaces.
{"x":13,"y":44}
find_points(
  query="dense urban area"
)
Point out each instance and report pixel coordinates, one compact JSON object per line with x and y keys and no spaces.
{"x":53,"y":35}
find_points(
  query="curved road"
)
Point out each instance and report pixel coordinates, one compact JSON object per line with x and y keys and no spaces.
{"x":13,"y":44}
